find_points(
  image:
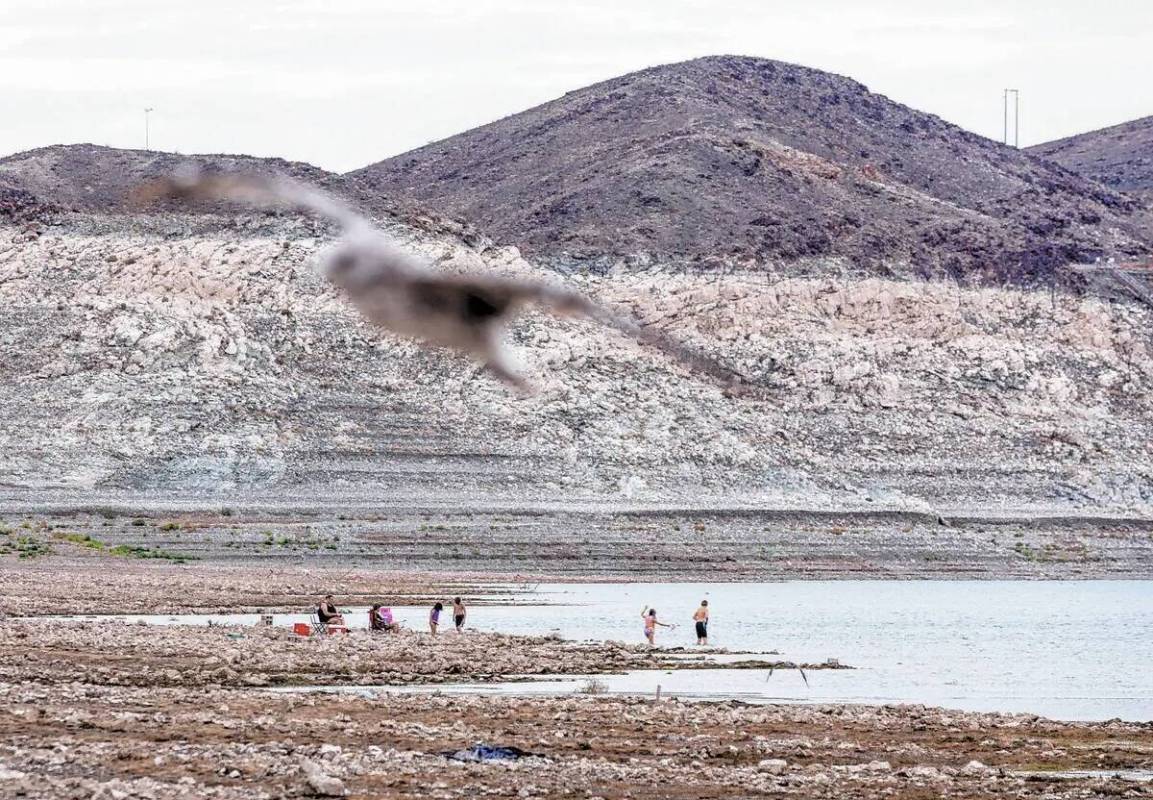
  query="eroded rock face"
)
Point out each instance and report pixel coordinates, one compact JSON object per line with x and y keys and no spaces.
{"x":200,"y":356}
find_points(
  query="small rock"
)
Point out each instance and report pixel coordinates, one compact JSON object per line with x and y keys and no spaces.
{"x":975,"y":767}
{"x":773,"y":766}
{"x":322,"y":783}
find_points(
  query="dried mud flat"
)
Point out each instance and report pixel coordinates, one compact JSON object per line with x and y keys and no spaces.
{"x":63,"y":585}
{"x":73,"y":740}
{"x":118,"y":654}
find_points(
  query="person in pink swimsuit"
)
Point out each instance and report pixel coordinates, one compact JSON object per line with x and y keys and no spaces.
{"x":649,"y":615}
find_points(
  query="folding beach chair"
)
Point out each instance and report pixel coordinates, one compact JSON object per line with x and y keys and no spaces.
{"x":324,"y":628}
{"x":318,"y":628}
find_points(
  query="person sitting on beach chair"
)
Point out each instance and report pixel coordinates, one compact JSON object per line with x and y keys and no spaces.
{"x":380,"y":619}
{"x":329,"y":614}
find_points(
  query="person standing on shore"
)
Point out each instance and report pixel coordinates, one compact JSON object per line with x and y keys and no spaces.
{"x":649,"y":615}
{"x":701,"y":618}
{"x":458,"y":614}
{"x":434,"y":618}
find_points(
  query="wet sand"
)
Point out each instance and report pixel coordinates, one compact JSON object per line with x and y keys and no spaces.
{"x":84,"y":584}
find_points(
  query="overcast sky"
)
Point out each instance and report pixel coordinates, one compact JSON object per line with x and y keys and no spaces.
{"x":342,"y":83}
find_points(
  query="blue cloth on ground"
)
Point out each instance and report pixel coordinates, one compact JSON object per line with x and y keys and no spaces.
{"x":486,"y":752}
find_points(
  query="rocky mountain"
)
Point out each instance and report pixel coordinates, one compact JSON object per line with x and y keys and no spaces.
{"x":197,"y":358}
{"x":745,"y":160}
{"x":193,"y":356}
{"x":1120,"y":157}
{"x":18,"y":204}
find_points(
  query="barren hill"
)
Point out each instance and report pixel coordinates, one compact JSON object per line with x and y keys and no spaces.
{"x":194,"y":355}
{"x":87,"y":177}
{"x":96,"y":180}
{"x":1120,"y":156}
{"x":725,"y":159}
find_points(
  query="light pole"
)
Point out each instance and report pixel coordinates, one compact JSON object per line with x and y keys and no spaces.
{"x":147,"y":111}
{"x":1016,"y":116}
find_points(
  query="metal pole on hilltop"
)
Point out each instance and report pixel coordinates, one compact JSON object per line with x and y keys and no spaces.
{"x":1005,"y":108}
{"x":147,"y":141}
{"x":1016,"y":116}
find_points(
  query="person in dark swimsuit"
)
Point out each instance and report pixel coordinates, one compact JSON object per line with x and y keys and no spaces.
{"x":458,"y":613}
{"x":701,"y":618}
{"x":328,"y":613}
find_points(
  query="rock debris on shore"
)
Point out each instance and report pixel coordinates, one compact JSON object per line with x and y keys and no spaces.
{"x":79,"y":740}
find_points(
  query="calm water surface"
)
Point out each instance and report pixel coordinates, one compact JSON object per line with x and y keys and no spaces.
{"x":1064,"y":649}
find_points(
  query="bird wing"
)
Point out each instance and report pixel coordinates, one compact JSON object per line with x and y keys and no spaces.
{"x":568,"y":302}
{"x":191,"y":183}
{"x":488,"y":299}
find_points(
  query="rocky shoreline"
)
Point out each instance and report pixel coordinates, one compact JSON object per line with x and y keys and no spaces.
{"x":200,"y":359}
{"x":110,"y":711}
{"x":80,"y":740}
{"x":408,"y":553}
{"x":50,"y":651}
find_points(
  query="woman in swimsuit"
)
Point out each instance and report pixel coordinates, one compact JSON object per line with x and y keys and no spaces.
{"x":434,"y":617}
{"x":458,"y":614}
{"x":649,"y":615}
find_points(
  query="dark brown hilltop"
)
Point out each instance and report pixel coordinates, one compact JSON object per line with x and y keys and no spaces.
{"x":93,"y":179}
{"x":732,"y":159}
{"x":1120,"y":157}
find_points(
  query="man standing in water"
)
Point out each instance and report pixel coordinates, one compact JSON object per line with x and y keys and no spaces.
{"x":701,"y":618}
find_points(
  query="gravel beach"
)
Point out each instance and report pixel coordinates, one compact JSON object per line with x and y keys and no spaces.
{"x":73,"y":740}
{"x":100,"y":709}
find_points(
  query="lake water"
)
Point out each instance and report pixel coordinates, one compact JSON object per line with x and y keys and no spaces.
{"x":1076,"y":650}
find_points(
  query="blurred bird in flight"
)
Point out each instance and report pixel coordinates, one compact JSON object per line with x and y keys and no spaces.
{"x":397,"y":291}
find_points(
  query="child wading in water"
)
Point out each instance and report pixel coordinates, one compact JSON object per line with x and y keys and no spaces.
{"x":701,"y":617}
{"x":434,"y":617}
{"x":649,"y":615}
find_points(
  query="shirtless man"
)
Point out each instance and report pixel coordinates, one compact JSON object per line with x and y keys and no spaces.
{"x":458,"y":614}
{"x":701,"y":618}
